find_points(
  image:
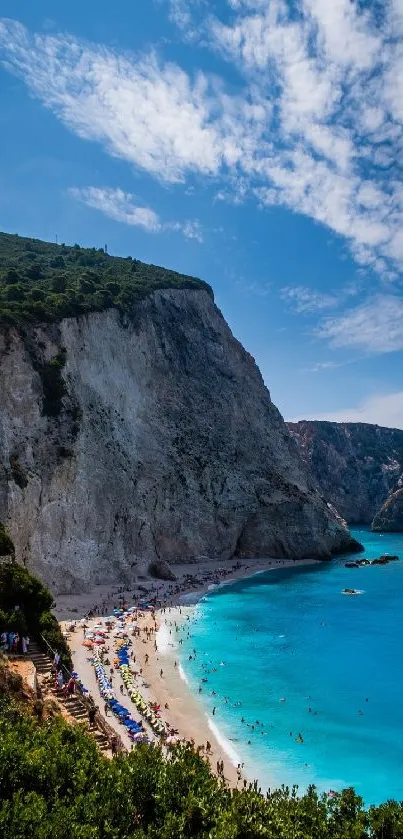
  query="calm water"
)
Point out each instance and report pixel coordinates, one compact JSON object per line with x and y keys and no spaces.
{"x":292,"y":636}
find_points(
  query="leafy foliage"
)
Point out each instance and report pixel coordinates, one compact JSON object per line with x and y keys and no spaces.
{"x":41,"y":281}
{"x":25,"y":607}
{"x":6,"y":544}
{"x":54,"y":784}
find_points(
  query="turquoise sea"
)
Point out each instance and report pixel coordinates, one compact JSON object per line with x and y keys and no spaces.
{"x":277,"y":644}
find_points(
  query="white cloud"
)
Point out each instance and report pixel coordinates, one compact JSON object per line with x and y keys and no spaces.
{"x":382,"y":409}
{"x":180,"y":13}
{"x":375,"y":326}
{"x":316,"y":124}
{"x":321,"y":366}
{"x":119,"y":206}
{"x":335,"y":78}
{"x":149,"y":113}
{"x":193,"y":230}
{"x":304,"y":300}
{"x":344,"y":35}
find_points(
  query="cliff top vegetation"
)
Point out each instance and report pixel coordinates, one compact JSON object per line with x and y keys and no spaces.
{"x":44,"y":282}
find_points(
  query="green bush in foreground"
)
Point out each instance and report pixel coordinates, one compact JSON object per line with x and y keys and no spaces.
{"x":54,"y":784}
{"x":43,"y":282}
{"x":25,"y":606}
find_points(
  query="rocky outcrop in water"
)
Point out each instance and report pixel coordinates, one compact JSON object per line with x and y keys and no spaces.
{"x":125,"y":440}
{"x":354,"y":465}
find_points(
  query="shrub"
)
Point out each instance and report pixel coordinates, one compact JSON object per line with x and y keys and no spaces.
{"x":25,"y":605}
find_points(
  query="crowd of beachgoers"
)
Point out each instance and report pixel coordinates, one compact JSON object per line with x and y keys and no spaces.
{"x":136,"y":687}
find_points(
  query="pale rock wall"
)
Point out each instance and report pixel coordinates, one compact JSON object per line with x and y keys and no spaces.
{"x":167,"y":446}
{"x":389,"y":518}
{"x":354,"y":465}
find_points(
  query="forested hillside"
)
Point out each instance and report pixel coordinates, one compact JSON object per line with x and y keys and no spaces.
{"x":42,"y":282}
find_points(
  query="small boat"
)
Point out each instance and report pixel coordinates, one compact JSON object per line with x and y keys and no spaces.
{"x":351,"y":591}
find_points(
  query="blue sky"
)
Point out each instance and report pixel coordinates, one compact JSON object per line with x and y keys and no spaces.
{"x":254,"y":143}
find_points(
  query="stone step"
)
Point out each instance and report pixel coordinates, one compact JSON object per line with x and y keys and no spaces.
{"x":73,"y":706}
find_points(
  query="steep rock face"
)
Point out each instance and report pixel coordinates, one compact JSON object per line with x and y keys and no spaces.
{"x":355,"y":465}
{"x":390,"y":517}
{"x":126,"y":441}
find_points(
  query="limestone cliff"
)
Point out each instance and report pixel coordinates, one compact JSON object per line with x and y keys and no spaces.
{"x":390,"y":517}
{"x":129,"y":439}
{"x":354,"y":465}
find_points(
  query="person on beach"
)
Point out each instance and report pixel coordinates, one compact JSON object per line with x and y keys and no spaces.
{"x":91,"y":715}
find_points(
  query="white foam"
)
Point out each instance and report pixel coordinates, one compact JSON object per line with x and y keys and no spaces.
{"x":164,"y":640}
{"x":224,"y":743}
{"x":183,"y":674}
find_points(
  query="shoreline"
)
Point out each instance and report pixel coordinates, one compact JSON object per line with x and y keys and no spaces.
{"x":154,"y":655}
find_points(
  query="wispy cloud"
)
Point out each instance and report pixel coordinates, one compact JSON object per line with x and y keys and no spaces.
{"x":320,"y":366}
{"x":382,"y":409}
{"x":147,"y":112}
{"x":375,"y":326}
{"x":316,"y":125}
{"x":306,"y":301}
{"x":180,"y":13}
{"x":254,"y":288}
{"x":117,"y":205}
{"x":335,"y":77}
{"x":120,"y":206}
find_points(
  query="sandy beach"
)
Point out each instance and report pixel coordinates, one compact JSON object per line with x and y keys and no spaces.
{"x":155,"y":660}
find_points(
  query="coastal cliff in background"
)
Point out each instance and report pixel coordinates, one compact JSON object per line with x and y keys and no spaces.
{"x":355,"y":465}
{"x":390,"y":516}
{"x":142,"y":434}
